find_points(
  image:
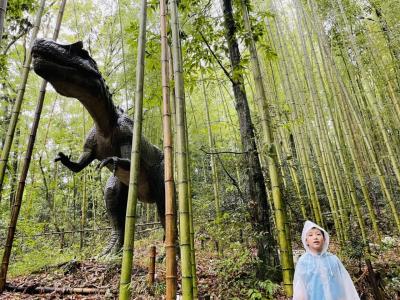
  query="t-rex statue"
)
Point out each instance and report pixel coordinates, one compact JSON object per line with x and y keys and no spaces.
{"x":73,"y":73}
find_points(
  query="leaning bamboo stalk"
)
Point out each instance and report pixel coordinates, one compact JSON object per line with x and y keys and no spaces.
{"x":170,"y":207}
{"x":181,"y":157}
{"x":123,"y":55}
{"x":339,"y":134}
{"x":285,"y":147}
{"x":18,"y":102}
{"x":212,"y":149}
{"x":355,"y":201}
{"x":329,"y":162}
{"x":371,"y":153}
{"x":387,"y":33}
{"x":318,"y":147}
{"x":130,"y":220}
{"x":293,"y":175}
{"x":269,"y":150}
{"x":271,"y":84}
{"x":323,"y":153}
{"x":3,"y":9}
{"x":286,"y":68}
{"x":15,"y":166}
{"x":333,"y":165}
{"x":386,"y":87}
{"x":25,"y":168}
{"x":372,"y":103}
{"x":191,"y":225}
{"x":344,"y":163}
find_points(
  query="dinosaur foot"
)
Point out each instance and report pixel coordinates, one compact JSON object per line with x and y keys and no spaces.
{"x":114,"y":247}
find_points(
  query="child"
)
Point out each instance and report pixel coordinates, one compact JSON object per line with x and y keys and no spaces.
{"x":319,"y":274}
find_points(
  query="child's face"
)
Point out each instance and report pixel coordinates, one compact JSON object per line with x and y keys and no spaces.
{"x":315,"y":240}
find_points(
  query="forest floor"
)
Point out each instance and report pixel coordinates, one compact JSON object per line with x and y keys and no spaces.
{"x":99,"y":279}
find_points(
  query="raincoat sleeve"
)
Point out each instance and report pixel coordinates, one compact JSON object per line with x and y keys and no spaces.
{"x":299,"y":288}
{"x":347,"y":283}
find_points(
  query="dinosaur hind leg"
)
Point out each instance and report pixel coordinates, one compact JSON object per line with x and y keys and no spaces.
{"x":115,"y":196}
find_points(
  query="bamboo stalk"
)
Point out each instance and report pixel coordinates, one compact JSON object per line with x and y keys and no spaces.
{"x":372,"y":103}
{"x":3,"y":9}
{"x":25,"y":168}
{"x":181,"y":157}
{"x":287,"y":69}
{"x":327,"y":162}
{"x":123,"y":55}
{"x":151,"y":266}
{"x":294,"y":176}
{"x":170,"y":207}
{"x":18,"y":102}
{"x":84,"y":191}
{"x":342,"y":120}
{"x":191,"y":226}
{"x":129,"y":235}
{"x":211,"y":143}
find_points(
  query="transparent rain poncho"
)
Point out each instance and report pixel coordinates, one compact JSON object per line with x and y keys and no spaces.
{"x":321,"y":276}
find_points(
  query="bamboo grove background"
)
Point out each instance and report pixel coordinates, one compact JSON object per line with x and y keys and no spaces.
{"x":322,"y":80}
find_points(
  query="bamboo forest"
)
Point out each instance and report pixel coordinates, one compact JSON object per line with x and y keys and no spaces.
{"x":231,"y":149}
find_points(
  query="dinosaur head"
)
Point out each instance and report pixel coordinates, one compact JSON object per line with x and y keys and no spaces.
{"x":73,"y":73}
{"x":69,"y":68}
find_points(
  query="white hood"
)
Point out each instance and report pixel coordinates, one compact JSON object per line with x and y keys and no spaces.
{"x":307,"y":226}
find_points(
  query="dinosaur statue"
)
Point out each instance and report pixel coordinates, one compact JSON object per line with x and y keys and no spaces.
{"x":73,"y":73}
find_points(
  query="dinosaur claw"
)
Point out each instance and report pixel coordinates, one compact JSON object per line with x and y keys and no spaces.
{"x":60,"y":157}
{"x":103,"y":163}
{"x":108,"y":160}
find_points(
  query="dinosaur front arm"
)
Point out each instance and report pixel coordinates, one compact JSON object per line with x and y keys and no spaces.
{"x":86,"y":158}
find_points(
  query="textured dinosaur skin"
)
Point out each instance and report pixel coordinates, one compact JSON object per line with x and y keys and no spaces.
{"x":73,"y":73}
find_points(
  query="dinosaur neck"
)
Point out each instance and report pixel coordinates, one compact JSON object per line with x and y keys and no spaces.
{"x":102,"y":110}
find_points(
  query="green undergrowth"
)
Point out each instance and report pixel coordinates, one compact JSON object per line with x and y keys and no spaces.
{"x":37,"y":261}
{"x":225,"y":257}
{"x":231,"y":273}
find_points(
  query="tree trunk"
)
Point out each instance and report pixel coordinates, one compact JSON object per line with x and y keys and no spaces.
{"x":269,"y":150}
{"x":253,"y":180}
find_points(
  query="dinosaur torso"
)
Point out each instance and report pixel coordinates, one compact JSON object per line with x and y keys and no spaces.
{"x":117,"y":142}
